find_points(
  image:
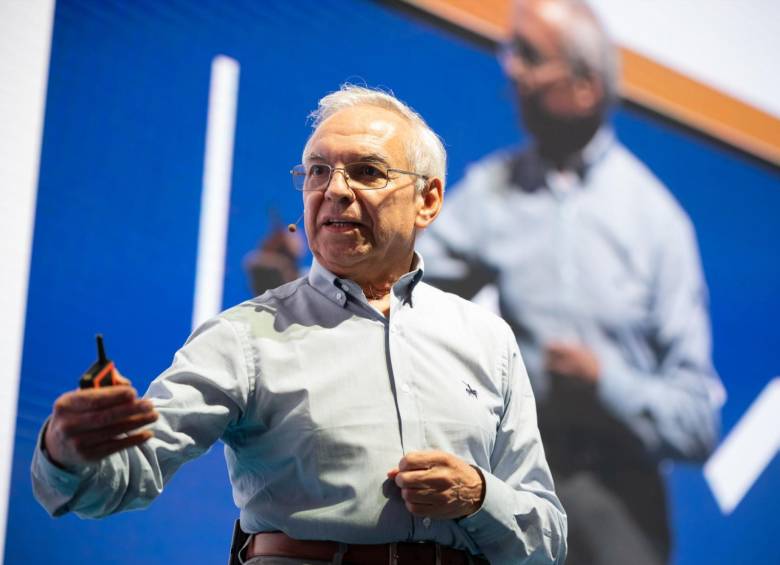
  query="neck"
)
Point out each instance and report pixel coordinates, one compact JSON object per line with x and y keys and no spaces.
{"x":374,"y":292}
{"x":377,"y":285}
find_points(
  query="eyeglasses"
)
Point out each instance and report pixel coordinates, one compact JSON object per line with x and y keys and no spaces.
{"x":524,"y":50}
{"x":521,"y":59}
{"x":358,"y":176}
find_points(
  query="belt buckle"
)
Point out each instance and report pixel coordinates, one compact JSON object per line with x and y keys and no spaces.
{"x":392,"y":549}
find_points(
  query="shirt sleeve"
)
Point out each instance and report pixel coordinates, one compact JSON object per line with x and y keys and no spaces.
{"x":203,"y":392}
{"x":521,"y":518}
{"x":674,"y":409}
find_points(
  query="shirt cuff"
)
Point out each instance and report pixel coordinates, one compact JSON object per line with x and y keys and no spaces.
{"x":617,"y":389}
{"x":495,"y":517}
{"x":54,"y":486}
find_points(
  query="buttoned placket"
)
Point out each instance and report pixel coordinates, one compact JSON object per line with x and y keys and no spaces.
{"x":398,"y":369}
{"x":564,"y":186}
{"x":408,"y":402}
{"x":401,"y":374}
{"x":407,"y":399}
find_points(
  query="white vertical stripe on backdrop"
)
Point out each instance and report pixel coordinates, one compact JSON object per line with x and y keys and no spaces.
{"x":215,"y":199}
{"x":25,"y":47}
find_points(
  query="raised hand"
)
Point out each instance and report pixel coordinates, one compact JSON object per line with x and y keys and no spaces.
{"x":88,"y":425}
{"x":571,"y":360}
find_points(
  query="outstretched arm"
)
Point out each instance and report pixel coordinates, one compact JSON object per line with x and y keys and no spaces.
{"x":92,"y":468}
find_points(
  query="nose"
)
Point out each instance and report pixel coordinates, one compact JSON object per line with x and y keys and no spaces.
{"x":337,"y":188}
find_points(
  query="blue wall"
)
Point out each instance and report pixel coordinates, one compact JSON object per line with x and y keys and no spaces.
{"x":117,"y":220}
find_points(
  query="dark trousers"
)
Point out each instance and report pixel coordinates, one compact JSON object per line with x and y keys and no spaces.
{"x":604,"y":529}
{"x":613,"y":494}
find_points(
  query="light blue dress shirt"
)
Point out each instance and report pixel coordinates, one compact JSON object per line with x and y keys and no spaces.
{"x":601,"y":255}
{"x":317,"y":395}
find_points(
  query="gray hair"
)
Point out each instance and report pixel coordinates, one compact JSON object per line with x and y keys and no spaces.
{"x":589,"y":49}
{"x":425,"y":150}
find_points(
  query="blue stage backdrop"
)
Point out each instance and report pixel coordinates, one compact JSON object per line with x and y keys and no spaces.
{"x":117,"y":226}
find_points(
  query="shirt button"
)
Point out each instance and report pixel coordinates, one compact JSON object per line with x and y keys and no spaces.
{"x":427,"y":522}
{"x":406,"y":388}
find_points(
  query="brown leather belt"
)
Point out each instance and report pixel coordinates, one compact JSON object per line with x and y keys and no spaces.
{"x":278,"y":544}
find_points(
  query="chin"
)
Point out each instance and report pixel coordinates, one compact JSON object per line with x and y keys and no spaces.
{"x":341,"y":258}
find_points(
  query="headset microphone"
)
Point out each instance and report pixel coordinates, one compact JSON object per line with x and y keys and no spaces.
{"x":292,"y":228}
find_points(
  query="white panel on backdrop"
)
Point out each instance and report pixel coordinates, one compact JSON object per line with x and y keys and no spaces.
{"x":747,"y":450}
{"x":25,"y":45}
{"x":729,"y":44}
{"x":215,"y":199}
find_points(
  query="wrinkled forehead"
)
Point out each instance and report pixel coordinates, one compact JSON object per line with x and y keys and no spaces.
{"x":362,"y":132}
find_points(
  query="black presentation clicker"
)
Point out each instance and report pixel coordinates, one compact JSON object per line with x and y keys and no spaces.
{"x":102,"y":372}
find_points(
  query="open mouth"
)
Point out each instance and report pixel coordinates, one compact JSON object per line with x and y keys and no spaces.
{"x":342,"y":224}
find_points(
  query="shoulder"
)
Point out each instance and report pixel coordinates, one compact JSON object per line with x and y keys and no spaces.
{"x":266,"y":306}
{"x":454,"y":312}
{"x":489,"y":173}
{"x":271,"y":297}
{"x":631,"y":182}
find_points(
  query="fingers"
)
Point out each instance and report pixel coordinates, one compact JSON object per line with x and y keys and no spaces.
{"x":415,"y":460}
{"x":572,"y":361}
{"x":559,"y":357}
{"x":94,"y":399}
{"x":87,"y":425}
{"x":122,"y":380}
{"x":415,"y":479}
{"x":87,"y":440}
{"x":446,"y":504}
{"x":438,"y":484}
{"x":109,"y":447}
{"x":554,"y":348}
{"x":73,"y":423}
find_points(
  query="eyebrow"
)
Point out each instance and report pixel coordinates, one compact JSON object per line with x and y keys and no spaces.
{"x":354,"y":158}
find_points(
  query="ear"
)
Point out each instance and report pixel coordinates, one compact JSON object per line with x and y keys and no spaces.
{"x":431,"y":200}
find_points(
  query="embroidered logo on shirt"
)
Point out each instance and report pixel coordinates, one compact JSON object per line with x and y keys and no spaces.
{"x":470,"y":391}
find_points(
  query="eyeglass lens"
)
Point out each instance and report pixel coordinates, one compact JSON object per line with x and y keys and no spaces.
{"x":359,"y":176}
{"x":526,"y":51}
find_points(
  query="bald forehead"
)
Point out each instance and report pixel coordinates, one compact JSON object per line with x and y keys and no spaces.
{"x":551,"y":10}
{"x":555,"y":13}
{"x":360,"y":132}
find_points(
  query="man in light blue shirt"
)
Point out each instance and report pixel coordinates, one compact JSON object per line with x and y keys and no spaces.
{"x":367,"y":416}
{"x":595,"y":267}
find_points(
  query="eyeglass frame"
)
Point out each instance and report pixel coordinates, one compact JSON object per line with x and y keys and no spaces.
{"x":343,"y":170}
{"x":519,"y":47}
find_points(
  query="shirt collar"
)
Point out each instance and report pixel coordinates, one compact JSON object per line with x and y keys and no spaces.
{"x":337,"y":289}
{"x":582,"y":161}
{"x":529,"y":171}
{"x":563,"y":181}
{"x":597,"y":147}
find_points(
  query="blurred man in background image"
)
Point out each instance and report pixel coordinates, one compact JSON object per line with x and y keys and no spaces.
{"x":597,"y":270}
